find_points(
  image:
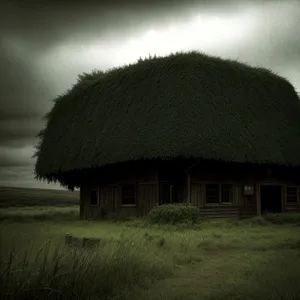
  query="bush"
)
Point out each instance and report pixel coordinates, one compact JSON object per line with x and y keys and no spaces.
{"x":173,"y":214}
{"x":283,"y":218}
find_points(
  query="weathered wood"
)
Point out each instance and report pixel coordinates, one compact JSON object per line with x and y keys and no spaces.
{"x":188,"y":188}
{"x":81,"y":203}
{"x":147,"y":195}
{"x":149,"y":179}
{"x":197,"y":194}
{"x":68,"y":239}
{"x":258,"y":201}
{"x":157,"y":188}
{"x":292,"y":208}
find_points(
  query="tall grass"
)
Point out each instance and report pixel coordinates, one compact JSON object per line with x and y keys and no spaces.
{"x":212,"y":259}
{"x":54,"y":272}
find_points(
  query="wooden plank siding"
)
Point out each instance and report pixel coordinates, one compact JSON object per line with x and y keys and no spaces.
{"x":241,"y":205}
{"x":291,"y":207}
{"x":212,"y":212}
{"x":81,"y":203}
{"x":189,"y":187}
{"x":197,"y":194}
{"x":108,"y":198}
{"x":147,"y":197}
{"x":110,"y":194}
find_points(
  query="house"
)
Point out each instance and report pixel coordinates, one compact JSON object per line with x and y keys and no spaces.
{"x":187,"y":127}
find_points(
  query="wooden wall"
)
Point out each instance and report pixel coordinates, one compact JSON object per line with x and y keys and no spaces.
{"x":290,"y":207}
{"x":241,"y":206}
{"x":110,"y":195}
{"x":147,"y":197}
{"x":147,"y":179}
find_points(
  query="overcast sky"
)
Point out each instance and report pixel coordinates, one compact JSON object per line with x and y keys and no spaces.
{"x":43,"y":47}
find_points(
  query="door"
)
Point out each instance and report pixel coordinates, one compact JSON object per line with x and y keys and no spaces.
{"x":270,"y":198}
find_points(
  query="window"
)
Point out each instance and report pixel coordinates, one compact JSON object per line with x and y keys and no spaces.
{"x":94,"y":197}
{"x":128,"y":194}
{"x":226,"y":193}
{"x":291,"y":194}
{"x":219,"y":193}
{"x":212,"y":193}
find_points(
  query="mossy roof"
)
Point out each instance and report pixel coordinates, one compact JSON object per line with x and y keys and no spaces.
{"x":181,"y":105}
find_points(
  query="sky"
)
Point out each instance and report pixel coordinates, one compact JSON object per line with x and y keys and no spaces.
{"x":44,"y":45}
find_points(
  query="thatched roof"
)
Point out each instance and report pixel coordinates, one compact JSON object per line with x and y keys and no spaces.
{"x":182,"y":105}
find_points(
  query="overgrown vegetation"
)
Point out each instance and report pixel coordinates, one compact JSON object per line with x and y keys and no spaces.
{"x":291,"y":218}
{"x":60,"y":273}
{"x":256,"y":258}
{"x":166,"y":96}
{"x":173,"y":214}
{"x":216,"y":259}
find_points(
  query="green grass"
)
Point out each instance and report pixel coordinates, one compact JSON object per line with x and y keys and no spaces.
{"x":258,"y":258}
{"x":135,"y":260}
{"x":32,"y":213}
{"x":16,"y":197}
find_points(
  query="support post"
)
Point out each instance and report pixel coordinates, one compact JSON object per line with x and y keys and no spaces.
{"x":81,"y":202}
{"x":157,"y":188}
{"x":258,"y":200}
{"x":188,"y":188}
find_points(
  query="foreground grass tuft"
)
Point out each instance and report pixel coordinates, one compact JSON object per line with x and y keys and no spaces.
{"x":51,"y":272}
{"x":255,"y":258}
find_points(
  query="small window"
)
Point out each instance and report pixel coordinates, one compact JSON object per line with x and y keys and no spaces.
{"x":128,"y":194}
{"x":212,"y":193}
{"x":291,"y":194}
{"x":226,"y":193}
{"x":94,"y":197}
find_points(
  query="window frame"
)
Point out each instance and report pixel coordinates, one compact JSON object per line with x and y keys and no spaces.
{"x":134,"y":186}
{"x":220,"y":190}
{"x":217,"y":194}
{"x":231,"y":193}
{"x":98,"y":197}
{"x":286,"y":195}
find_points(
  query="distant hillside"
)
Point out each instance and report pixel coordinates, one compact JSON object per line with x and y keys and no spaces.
{"x":12,"y":197}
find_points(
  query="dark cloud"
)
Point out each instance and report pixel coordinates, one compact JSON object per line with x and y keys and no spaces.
{"x":16,"y":157}
{"x":23,"y":101}
{"x":18,"y":132}
{"x":22,"y":176}
{"x":20,"y":88}
{"x":13,"y":173}
{"x":33,"y":31}
{"x":47,"y":23}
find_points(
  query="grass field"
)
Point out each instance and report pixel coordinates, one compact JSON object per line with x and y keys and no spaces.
{"x":16,"y":197}
{"x":250,"y":259}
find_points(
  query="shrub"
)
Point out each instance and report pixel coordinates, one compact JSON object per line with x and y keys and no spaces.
{"x":283,"y":218}
{"x":173,"y":214}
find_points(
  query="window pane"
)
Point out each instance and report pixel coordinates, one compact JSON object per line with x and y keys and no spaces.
{"x":212,"y":193}
{"x":94,"y":197}
{"x":291,"y":194}
{"x":226,"y":193}
{"x":128,"y":194}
